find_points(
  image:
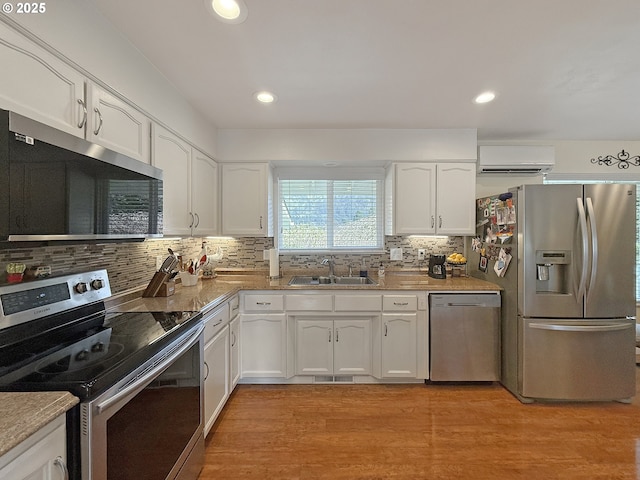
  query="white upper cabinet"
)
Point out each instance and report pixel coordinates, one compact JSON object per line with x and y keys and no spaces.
{"x":38,"y":85}
{"x":173,"y":156}
{"x":189,"y":183}
{"x":116,"y":125}
{"x":456,"y":199}
{"x":247,"y":199}
{"x":430,"y":199}
{"x":411,"y":192}
{"x":204,"y":194}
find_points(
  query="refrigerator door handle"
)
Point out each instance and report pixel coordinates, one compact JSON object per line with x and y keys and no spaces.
{"x":594,"y":247}
{"x":582,"y":219}
{"x":582,"y":328}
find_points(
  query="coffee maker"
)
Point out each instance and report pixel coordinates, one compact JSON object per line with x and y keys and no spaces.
{"x":437,"y":267}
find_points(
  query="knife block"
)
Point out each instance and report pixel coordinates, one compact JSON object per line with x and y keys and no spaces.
{"x":155,"y":284}
{"x":167,"y":289}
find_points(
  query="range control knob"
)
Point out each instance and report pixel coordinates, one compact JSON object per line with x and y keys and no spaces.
{"x":82,"y":355}
{"x":81,"y":287}
{"x":98,"y":347}
{"x":97,"y":284}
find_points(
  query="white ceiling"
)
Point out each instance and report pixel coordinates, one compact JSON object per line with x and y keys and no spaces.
{"x":562,"y":69}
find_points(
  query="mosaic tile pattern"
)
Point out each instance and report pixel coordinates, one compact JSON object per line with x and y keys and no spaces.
{"x":132,"y":264}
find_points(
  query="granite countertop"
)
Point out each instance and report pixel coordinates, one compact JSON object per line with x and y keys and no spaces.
{"x":208,"y":293}
{"x":24,"y":413}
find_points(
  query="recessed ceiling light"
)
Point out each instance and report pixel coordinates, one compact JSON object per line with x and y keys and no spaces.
{"x":265,"y":97}
{"x":485,"y":97}
{"x":228,"y":11}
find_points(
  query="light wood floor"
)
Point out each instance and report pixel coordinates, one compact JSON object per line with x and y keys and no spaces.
{"x":418,"y":432}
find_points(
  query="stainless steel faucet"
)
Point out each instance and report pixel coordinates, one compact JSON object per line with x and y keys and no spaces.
{"x":332,"y":264}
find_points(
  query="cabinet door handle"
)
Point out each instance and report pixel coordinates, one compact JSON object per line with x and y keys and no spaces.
{"x":59,"y":462}
{"x":386,"y":329}
{"x":401,"y":304}
{"x":97,"y":130}
{"x":233,"y":339}
{"x":193,"y":219}
{"x":433,"y":221}
{"x":197,"y":220}
{"x":337,"y":335}
{"x":329,"y":336}
{"x":260,"y":222}
{"x":263,"y":303}
{"x":82,"y":122}
{"x":206,"y":375}
{"x":440,"y":221}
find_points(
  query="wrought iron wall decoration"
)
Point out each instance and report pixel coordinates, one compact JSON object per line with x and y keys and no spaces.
{"x":623,"y":160}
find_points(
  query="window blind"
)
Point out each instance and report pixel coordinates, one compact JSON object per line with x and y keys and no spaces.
{"x":320,"y":214}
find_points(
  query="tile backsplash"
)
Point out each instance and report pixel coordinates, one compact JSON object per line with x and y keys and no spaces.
{"x":132,"y":264}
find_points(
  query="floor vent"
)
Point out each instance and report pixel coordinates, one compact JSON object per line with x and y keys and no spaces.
{"x":332,"y":379}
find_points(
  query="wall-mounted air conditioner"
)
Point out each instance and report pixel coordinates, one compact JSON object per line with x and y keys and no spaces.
{"x":516,"y":160}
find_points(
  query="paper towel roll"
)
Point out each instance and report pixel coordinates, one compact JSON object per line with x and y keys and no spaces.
{"x":274,"y":263}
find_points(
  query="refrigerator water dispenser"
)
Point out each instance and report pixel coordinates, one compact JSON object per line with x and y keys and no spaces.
{"x":552,"y":271}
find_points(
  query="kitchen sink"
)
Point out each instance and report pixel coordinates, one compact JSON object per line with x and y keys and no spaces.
{"x":331,"y":281}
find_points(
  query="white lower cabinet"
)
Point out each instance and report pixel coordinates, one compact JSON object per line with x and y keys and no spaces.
{"x":234,"y":364}
{"x":42,"y":456}
{"x":333,"y":346}
{"x":263,"y":347}
{"x":216,"y":380}
{"x":399,"y":345}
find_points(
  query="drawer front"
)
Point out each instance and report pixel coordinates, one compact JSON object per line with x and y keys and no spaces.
{"x":263,"y":303}
{"x":358,"y":303}
{"x":309,"y":302}
{"x":400,"y":303}
{"x":215,"y":321}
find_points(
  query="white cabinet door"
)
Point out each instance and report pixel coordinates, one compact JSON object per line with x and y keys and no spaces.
{"x":173,"y":156}
{"x":456,"y":194}
{"x":234,"y":363}
{"x":413,"y":199}
{"x":39,"y":85}
{"x":42,"y":456}
{"x":246,"y":199}
{"x":116,"y":125}
{"x":399,"y":345}
{"x":263,"y":347}
{"x":216,"y":380}
{"x":430,"y":198}
{"x":333,"y":347}
{"x":314,"y":347}
{"x":352,"y":347}
{"x":204,"y":194}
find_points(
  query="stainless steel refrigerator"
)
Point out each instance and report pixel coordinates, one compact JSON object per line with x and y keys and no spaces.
{"x":568,"y":316}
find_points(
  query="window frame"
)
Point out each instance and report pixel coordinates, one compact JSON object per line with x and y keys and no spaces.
{"x":333,"y":174}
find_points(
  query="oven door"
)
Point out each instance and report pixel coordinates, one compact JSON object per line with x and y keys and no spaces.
{"x":150,"y":425}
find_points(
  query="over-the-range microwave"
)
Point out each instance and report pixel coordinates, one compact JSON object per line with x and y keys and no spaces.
{"x":55,"y":186}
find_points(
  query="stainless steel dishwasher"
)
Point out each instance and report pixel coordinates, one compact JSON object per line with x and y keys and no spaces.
{"x":464,"y":337}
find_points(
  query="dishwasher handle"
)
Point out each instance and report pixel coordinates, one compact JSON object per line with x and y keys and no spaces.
{"x":465,"y":300}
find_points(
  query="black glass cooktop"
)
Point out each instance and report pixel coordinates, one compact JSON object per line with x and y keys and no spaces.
{"x":88,"y":360}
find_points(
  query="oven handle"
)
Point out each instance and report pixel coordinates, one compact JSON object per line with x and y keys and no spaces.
{"x":155,"y":370}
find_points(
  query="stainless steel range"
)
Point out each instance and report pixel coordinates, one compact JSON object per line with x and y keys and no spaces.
{"x":137,"y":375}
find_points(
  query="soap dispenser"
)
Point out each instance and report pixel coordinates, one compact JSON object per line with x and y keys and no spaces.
{"x":363,"y":269}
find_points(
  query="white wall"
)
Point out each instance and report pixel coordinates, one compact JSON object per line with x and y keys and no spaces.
{"x":350,"y":146}
{"x":573,"y":158}
{"x":77,"y":31}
